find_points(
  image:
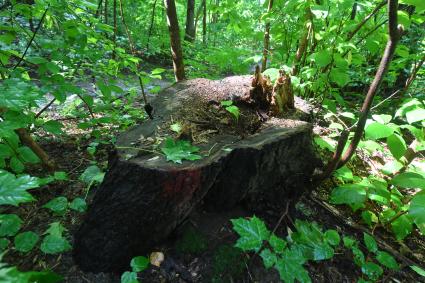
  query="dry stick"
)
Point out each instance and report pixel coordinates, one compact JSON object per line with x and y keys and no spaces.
{"x":151,"y":24}
{"x":32,"y":39}
{"x":266,"y":39}
{"x":130,"y":40}
{"x":365,"y":20}
{"x":44,"y":108}
{"x":394,"y":36}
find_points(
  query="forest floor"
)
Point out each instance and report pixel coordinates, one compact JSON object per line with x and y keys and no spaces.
{"x":201,"y":249}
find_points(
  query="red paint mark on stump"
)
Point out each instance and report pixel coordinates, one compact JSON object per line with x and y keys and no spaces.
{"x":182,"y":184}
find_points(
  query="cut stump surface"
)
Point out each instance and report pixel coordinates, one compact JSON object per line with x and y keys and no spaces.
{"x":144,"y":198}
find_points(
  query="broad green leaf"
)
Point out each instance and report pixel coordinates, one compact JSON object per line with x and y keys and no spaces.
{"x":178,"y":150}
{"x":322,"y":251}
{"x":129,"y":277}
{"x":278,"y":244}
{"x":370,"y":243}
{"x":25,"y":242}
{"x":92,"y":174}
{"x":290,"y":266}
{"x":369,"y":217}
{"x":321,"y":58}
{"x":139,"y":263}
{"x":27,"y":155}
{"x":78,"y":204}
{"x":344,"y":173}
{"x":387,"y":260}
{"x":391,"y":167}
{"x":349,"y":194}
{"x":58,"y":205}
{"x":377,"y":130}
{"x":402,"y":227}
{"x":9,"y":224}
{"x":273,"y":73}
{"x":372,"y":270}
{"x":252,"y":233}
{"x":157,"y":71}
{"x":409,"y":180}
{"x":53,"y":244}
{"x":417,"y":211}
{"x":13,"y":191}
{"x":55,"y":229}
{"x":339,"y":76}
{"x":60,"y":176}
{"x":234,"y":110}
{"x":324,"y":143}
{"x":397,"y":145}
{"x":269,"y":258}
{"x":4,"y":243}
{"x":348,"y":241}
{"x":53,"y":127}
{"x":418,"y":270}
{"x":383,"y":118}
{"x":16,"y":165}
{"x":332,"y":237}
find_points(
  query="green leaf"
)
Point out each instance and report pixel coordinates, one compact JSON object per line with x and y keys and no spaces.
{"x":269,"y":258}
{"x":321,"y":58}
{"x":58,"y":205}
{"x":322,"y":251}
{"x":60,"y":176}
{"x":415,"y":115}
{"x":157,"y":71}
{"x":27,"y":155}
{"x":25,"y":242}
{"x":92,"y":174}
{"x":13,"y":191}
{"x":129,"y":277}
{"x":53,"y":127}
{"x":387,"y":260}
{"x":176,"y":151}
{"x":278,"y":244}
{"x":4,"y":243}
{"x":290,"y":266}
{"x":377,"y":130}
{"x":252,"y":233}
{"x":139,"y":263}
{"x":234,"y":110}
{"x":409,"y":180}
{"x":16,"y":165}
{"x":9,"y":224}
{"x":402,"y":227}
{"x":332,"y":237}
{"x":272,"y":73}
{"x":372,"y":270}
{"x":418,"y":270}
{"x":417,"y":210}
{"x":339,"y":76}
{"x":176,"y":127}
{"x":78,"y":204}
{"x":383,"y":118}
{"x":52,"y":244}
{"x":344,"y":173}
{"x":226,"y":103}
{"x":369,"y":217}
{"x":55,"y":229}
{"x":348,"y":241}
{"x":349,"y":194}
{"x":397,"y":145}
{"x":370,"y":243}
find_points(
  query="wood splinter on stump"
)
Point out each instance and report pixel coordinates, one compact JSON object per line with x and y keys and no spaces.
{"x":143,"y":198}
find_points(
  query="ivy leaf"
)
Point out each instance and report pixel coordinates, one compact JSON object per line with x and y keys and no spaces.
{"x":9,"y":224}
{"x":129,"y":277}
{"x":377,"y":130}
{"x":370,"y":243}
{"x":25,"y":242}
{"x":139,"y":263}
{"x":78,"y":204}
{"x":417,"y":211}
{"x":252,"y":233}
{"x":332,"y":237}
{"x":176,"y":151}
{"x":269,"y":258}
{"x":372,"y":270}
{"x":58,"y":205}
{"x":290,"y":266}
{"x":13,"y":191}
{"x":53,"y":244}
{"x":387,"y":260}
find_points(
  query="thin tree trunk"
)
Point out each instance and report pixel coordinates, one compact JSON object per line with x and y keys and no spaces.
{"x":176,"y":50}
{"x":394,"y":35}
{"x":115,"y":30}
{"x":266,"y":39}
{"x":105,"y":12}
{"x":190,"y":21}
{"x":198,"y":14}
{"x":353,"y":11}
{"x":365,"y":20}
{"x":302,"y":47}
{"x":99,"y":9}
{"x":151,"y":25}
{"x":130,"y":40}
{"x":204,"y":24}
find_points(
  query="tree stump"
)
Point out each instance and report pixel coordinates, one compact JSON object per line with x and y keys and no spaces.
{"x":143,"y":197}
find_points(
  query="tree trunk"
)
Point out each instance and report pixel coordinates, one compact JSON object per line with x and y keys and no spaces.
{"x":198,"y":14}
{"x":105,"y":13}
{"x":190,"y":21}
{"x":204,"y":24}
{"x":151,"y":25}
{"x":176,"y":49}
{"x":115,"y":30}
{"x":266,"y":40}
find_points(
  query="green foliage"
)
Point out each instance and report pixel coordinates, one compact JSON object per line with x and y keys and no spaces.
{"x":14,"y":190}
{"x":25,"y":242}
{"x":232,"y":109}
{"x":138,"y":264}
{"x":57,"y":205}
{"x":192,"y":241}
{"x":54,"y":242}
{"x":178,"y":150}
{"x":10,"y":224}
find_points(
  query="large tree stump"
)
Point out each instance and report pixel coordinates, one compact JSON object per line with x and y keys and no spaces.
{"x":143,"y":197}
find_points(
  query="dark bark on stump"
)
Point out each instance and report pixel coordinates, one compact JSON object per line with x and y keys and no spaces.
{"x":144,"y":198}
